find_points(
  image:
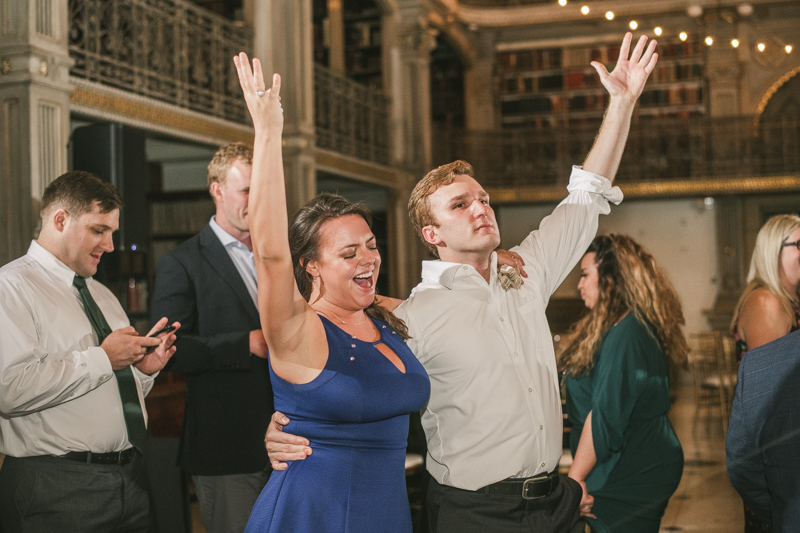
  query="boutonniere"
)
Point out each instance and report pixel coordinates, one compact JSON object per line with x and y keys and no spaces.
{"x":508,"y":278}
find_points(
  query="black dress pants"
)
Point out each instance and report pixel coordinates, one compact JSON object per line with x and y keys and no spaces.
{"x":452,"y":510}
{"x":49,"y":494}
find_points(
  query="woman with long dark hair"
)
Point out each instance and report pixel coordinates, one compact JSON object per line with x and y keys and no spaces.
{"x":625,"y":451}
{"x":339,"y":366}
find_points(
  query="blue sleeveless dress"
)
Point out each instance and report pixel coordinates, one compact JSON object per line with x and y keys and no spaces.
{"x":355,"y":416}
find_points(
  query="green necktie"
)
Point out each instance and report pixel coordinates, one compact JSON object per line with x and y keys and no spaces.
{"x":126,"y":382}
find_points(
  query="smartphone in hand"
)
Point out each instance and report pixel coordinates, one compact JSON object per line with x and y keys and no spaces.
{"x":166,"y":329}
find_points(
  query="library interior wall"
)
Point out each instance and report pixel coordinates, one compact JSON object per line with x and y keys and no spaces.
{"x":680,"y":233}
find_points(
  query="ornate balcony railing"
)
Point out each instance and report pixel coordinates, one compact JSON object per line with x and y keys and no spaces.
{"x":170,"y":50}
{"x":657,"y":150}
{"x":351,"y":119}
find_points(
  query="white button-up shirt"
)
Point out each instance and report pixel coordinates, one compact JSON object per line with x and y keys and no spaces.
{"x":495,"y":407}
{"x":57,"y":388}
{"x":241,"y":256}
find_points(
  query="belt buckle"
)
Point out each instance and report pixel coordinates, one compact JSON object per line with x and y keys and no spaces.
{"x":533,"y":480}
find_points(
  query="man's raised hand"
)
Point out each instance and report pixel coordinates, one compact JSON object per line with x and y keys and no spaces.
{"x":630,"y":74}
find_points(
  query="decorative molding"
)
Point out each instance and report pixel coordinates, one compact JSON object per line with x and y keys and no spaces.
{"x":762,"y":104}
{"x":656,"y":189}
{"x":357,"y":169}
{"x":520,"y":15}
{"x":114,"y":104}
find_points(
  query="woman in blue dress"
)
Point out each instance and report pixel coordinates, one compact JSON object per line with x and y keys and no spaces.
{"x":625,"y":451}
{"x":340,"y":367}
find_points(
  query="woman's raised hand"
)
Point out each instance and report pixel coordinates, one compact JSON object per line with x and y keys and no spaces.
{"x":264,"y":104}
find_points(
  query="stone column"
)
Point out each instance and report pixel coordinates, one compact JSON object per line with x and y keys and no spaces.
{"x":283,"y":41}
{"x":479,"y":94}
{"x":34,"y":113}
{"x":409,"y":52}
{"x":731,"y":260}
{"x":336,"y":25}
{"x":407,"y":45}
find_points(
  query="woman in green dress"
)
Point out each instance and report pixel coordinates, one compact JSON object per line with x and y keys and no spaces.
{"x":625,"y":451}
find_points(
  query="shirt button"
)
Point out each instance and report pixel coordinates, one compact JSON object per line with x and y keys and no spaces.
{"x":541,"y":427}
{"x":352,"y":358}
{"x":352,"y":345}
{"x":530,"y":389}
{"x":516,"y":354}
{"x":464,"y":267}
{"x":502,"y":319}
{"x":543,"y":465}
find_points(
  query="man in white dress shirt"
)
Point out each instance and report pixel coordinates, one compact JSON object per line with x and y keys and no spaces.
{"x":73,"y":375}
{"x":493,"y":422}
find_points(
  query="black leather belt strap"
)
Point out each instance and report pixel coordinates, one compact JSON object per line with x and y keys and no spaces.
{"x":113,"y":458}
{"x":529,"y":488}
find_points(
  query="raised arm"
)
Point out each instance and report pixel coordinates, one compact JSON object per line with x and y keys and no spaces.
{"x":624,"y":85}
{"x":290,"y":326}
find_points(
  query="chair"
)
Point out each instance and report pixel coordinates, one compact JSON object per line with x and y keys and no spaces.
{"x":713,"y":365}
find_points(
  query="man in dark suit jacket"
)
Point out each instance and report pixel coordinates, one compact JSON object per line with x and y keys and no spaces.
{"x":208,"y":284}
{"x":763,"y":441}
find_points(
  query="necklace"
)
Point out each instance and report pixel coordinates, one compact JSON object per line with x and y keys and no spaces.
{"x":346,"y":323}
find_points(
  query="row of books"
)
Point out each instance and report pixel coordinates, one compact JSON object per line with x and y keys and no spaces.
{"x":556,"y":103}
{"x":558,"y":58}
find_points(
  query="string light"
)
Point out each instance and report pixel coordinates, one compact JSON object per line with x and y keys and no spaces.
{"x":788,"y":48}
{"x":709,"y":41}
{"x":585,"y":10}
{"x":657,"y":30}
{"x":682,"y":36}
{"x":735,"y":43}
{"x":761,"y":47}
{"x":633,"y":24}
{"x":610,"y":15}
{"x":562,"y":3}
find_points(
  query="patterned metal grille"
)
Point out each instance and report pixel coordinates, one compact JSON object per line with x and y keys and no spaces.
{"x":658,"y":150}
{"x":351,"y":119}
{"x":169,"y":50}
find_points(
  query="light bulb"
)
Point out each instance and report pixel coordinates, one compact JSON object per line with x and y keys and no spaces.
{"x":633,"y":24}
{"x":761,"y":47}
{"x":610,"y":15}
{"x":735,"y":43}
{"x":682,"y":35}
{"x":585,"y":10}
{"x":562,"y":3}
{"x":709,"y":41}
{"x":788,"y":48}
{"x":657,"y":30}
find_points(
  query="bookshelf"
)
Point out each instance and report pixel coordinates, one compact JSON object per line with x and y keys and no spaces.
{"x":175,"y":217}
{"x":556,"y":86}
{"x":362,"y":42}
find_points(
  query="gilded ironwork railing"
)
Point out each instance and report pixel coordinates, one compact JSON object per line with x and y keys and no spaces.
{"x":657,"y":150}
{"x":170,"y":50}
{"x":351,"y":119}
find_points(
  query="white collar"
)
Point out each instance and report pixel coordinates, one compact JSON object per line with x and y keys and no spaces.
{"x":444,"y":273}
{"x":53,"y":264}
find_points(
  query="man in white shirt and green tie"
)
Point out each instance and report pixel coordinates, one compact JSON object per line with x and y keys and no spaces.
{"x":74,"y":375}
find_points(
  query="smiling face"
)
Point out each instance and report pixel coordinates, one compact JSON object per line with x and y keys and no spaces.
{"x":789,"y":264}
{"x":348,"y":263}
{"x":466,"y":226}
{"x":231,"y":197}
{"x":83,"y":240}
{"x":589,"y":285}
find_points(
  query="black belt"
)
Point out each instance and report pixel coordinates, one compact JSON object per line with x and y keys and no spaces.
{"x":113,"y":458}
{"x":530,"y":488}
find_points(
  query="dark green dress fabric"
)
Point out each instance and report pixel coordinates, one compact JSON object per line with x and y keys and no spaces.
{"x":639,"y":457}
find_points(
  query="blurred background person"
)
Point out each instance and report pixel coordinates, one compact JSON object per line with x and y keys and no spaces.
{"x":769,"y":308}
{"x":625,"y":451}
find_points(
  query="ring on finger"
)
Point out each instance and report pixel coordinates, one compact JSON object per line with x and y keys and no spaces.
{"x":260,"y":93}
